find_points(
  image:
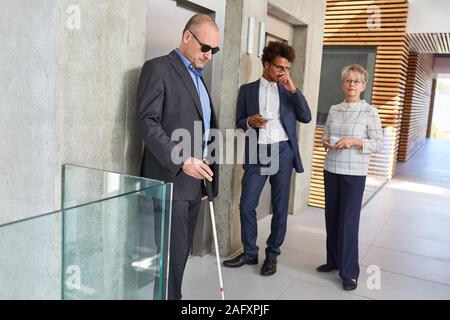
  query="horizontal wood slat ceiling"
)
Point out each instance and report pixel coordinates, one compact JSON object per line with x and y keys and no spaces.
{"x":429,"y":42}
{"x":354,"y":23}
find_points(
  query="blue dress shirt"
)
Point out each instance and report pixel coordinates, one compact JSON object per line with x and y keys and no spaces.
{"x":196,"y":74}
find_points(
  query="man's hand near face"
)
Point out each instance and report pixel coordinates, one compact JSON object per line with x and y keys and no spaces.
{"x":286,"y":81}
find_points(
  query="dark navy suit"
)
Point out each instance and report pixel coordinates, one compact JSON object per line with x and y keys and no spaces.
{"x":293,"y":108}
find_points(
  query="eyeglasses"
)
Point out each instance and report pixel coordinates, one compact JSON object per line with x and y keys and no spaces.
{"x":205,"y":48}
{"x":281,"y":68}
{"x":349,"y":82}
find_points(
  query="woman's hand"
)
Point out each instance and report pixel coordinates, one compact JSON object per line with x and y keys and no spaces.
{"x":348,"y":142}
{"x":326,"y":143}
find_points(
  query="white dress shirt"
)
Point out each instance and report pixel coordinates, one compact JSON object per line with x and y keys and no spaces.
{"x":269,"y":108}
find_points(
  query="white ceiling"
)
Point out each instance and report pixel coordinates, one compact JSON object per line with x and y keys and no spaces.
{"x":428,"y":16}
{"x":428,"y":26}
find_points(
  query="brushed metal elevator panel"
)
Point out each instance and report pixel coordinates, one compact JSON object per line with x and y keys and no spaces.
{"x":165,"y":23}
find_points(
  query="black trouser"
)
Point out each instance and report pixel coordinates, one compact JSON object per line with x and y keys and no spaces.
{"x":184,"y":220}
{"x":343,"y":199}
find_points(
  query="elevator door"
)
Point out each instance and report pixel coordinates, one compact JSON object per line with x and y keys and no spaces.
{"x":165,"y":23}
{"x":166,"y":20}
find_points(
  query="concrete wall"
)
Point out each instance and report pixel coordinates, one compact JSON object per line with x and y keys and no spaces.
{"x":240,"y":68}
{"x":67,"y":97}
{"x":98,"y":71}
{"x":28,"y":122}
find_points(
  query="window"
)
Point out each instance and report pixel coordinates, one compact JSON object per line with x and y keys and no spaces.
{"x":334,"y":59}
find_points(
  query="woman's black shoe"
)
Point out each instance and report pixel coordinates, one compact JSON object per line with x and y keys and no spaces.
{"x":350,"y":284}
{"x":325,"y":268}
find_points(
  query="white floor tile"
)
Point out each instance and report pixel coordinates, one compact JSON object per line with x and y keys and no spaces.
{"x":244,"y":283}
{"x":198,"y":294}
{"x":368,"y":233}
{"x":408,"y":264}
{"x":429,"y":218}
{"x":408,"y":228}
{"x":301,"y":290}
{"x":400,"y":287}
{"x":414,"y":245}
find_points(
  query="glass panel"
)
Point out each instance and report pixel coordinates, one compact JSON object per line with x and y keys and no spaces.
{"x":113,"y":247}
{"x":30,"y":258}
{"x":83,"y":185}
{"x":334,"y":59}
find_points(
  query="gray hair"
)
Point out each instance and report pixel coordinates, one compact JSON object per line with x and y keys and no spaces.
{"x":356,"y":68}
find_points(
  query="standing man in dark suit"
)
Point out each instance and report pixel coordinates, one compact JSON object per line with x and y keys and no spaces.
{"x":172,"y":95}
{"x":272,"y":106}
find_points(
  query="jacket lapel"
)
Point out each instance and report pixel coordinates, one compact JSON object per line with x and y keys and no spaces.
{"x":255,"y":97}
{"x":213,"y":123}
{"x":182,"y":71}
{"x":282,"y":105}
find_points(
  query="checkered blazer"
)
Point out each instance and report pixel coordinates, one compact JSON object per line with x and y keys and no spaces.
{"x":357,"y":120}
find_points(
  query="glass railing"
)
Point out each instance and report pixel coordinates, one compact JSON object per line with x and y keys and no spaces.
{"x":108,"y":241}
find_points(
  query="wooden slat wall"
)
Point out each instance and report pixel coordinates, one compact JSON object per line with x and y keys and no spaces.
{"x":346,"y":24}
{"x":417,"y":104}
{"x":316,"y":191}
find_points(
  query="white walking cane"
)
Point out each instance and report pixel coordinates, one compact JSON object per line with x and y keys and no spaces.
{"x":209,"y":193}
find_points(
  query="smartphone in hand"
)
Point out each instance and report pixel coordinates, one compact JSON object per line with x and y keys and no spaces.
{"x":333,"y":141}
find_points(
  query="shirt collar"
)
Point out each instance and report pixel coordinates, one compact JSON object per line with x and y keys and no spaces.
{"x":266,"y":83}
{"x":353,"y":104}
{"x":197,"y":71}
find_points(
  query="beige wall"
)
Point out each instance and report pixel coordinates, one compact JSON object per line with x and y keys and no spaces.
{"x":241,"y":68}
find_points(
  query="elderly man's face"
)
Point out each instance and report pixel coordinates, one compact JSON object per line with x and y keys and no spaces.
{"x":207,"y":34}
{"x":353,"y":84}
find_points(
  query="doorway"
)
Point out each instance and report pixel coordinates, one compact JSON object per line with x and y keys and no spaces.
{"x":440,"y":125}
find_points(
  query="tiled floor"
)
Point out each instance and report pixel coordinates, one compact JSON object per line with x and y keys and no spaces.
{"x":405,"y":231}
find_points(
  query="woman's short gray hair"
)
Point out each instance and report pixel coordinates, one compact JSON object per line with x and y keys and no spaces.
{"x":356,"y":68}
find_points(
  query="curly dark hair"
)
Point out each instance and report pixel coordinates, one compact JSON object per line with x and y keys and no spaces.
{"x":276,"y":48}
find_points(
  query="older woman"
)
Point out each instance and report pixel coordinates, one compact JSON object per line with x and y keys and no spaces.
{"x":352,"y":132}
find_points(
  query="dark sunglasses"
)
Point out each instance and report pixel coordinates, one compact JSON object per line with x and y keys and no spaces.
{"x":205,"y":48}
